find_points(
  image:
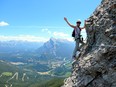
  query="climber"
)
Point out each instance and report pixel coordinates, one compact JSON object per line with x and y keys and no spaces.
{"x":77,"y":31}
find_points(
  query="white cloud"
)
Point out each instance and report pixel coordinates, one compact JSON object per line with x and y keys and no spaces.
{"x":60,"y":34}
{"x":30,"y":38}
{"x":2,"y":23}
{"x":69,"y":39}
{"x":46,"y":30}
{"x":24,"y":38}
{"x":43,"y":30}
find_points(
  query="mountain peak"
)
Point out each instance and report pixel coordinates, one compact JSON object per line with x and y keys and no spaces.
{"x":57,"y":48}
{"x":53,"y":40}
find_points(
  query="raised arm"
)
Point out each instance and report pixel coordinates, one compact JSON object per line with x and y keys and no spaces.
{"x":84,"y":25}
{"x":69,"y":23}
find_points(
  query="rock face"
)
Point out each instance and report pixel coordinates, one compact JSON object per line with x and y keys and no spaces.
{"x":96,"y":67}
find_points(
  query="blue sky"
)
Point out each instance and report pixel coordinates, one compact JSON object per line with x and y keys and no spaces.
{"x":38,"y":20}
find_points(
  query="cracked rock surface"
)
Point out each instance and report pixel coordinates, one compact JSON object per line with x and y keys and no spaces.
{"x":96,"y":67}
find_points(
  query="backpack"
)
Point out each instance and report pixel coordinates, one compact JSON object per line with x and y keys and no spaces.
{"x":80,"y":36}
{"x":73,"y":33}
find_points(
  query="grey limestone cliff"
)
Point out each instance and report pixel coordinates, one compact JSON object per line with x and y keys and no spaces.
{"x":96,"y":67}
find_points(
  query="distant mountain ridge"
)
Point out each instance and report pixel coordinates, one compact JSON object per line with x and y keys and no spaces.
{"x":56,"y":48}
{"x":13,"y":45}
{"x":22,"y":51}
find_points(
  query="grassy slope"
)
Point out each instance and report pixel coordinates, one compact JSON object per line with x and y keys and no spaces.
{"x":55,"y":82}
